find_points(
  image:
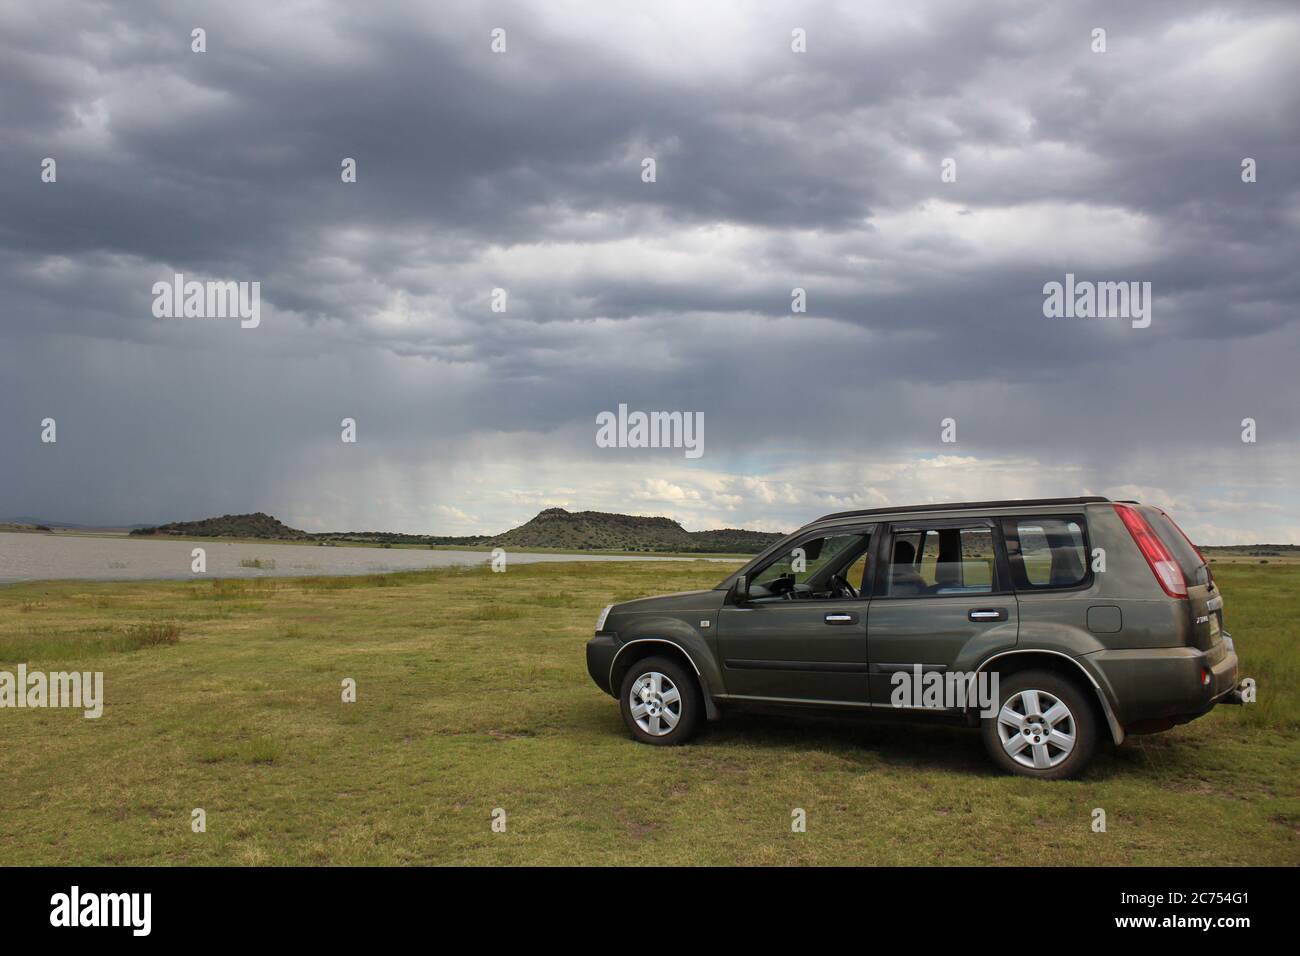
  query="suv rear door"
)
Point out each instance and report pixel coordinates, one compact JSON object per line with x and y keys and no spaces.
{"x":941,"y":586}
{"x":1204,"y":602}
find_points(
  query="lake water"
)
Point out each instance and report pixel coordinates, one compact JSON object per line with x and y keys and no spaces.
{"x":44,"y":557}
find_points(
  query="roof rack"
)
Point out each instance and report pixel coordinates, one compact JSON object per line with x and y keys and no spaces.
{"x":963,"y":505}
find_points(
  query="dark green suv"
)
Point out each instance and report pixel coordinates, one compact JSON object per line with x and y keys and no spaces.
{"x":1045,"y":622}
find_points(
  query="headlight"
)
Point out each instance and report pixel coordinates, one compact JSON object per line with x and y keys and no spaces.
{"x":600,"y":621}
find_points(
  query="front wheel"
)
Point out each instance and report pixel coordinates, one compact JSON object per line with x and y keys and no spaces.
{"x":660,"y":701}
{"x":1045,"y":727}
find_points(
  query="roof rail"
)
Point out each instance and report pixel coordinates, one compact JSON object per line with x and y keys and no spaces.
{"x":964,"y":505}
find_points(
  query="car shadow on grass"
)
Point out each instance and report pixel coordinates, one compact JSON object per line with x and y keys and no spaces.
{"x":883,"y":742}
{"x":920,"y":745}
{"x":868,"y":743}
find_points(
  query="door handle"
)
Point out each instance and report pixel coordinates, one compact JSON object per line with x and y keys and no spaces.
{"x":988,"y":614}
{"x":840,"y":617}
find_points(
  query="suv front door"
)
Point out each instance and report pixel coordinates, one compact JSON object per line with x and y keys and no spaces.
{"x":802,"y":635}
{"x":942,"y":591}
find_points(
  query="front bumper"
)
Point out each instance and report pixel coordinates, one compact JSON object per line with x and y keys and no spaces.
{"x":600,"y":655}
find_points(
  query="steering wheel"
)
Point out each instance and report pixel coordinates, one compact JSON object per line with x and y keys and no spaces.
{"x":840,"y":584}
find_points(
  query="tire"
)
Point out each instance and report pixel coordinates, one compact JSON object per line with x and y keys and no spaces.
{"x":661,"y":702}
{"x":1046,"y":727}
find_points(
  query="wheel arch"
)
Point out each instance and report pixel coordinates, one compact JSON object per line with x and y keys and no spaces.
{"x":1018,"y":660}
{"x":642,"y":647}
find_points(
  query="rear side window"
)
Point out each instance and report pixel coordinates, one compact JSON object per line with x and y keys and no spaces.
{"x":1047,"y":553}
{"x":927,"y":561}
{"x":1172,"y":537}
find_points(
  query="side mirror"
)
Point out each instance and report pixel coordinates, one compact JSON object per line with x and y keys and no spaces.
{"x":740,"y":590}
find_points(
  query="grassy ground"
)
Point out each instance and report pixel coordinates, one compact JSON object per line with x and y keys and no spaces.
{"x":472,"y":694}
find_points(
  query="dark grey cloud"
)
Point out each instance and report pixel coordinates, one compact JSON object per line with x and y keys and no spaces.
{"x":521,"y":171}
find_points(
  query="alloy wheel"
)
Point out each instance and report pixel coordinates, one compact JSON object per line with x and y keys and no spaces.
{"x":1037,"y":729}
{"x":656,"y":703}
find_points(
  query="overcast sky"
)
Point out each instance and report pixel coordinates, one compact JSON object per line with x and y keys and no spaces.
{"x":523,"y":170}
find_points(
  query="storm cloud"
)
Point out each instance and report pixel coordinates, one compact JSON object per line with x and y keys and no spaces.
{"x":522,"y":170}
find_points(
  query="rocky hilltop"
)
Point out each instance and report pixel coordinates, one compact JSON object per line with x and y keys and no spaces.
{"x":257,"y":525}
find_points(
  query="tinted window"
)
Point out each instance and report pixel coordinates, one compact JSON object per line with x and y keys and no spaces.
{"x":939,"y":561}
{"x":1188,"y":560}
{"x":1052,"y":552}
{"x":857,"y":573}
{"x":807,"y":571}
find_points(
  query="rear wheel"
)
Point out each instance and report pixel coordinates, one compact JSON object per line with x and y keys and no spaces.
{"x":660,"y":701}
{"x":1045,"y":726}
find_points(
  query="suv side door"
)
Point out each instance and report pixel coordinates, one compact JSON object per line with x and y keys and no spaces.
{"x":808,"y":649}
{"x":942,"y":590}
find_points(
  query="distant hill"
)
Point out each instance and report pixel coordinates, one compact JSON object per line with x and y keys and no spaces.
{"x":256,"y":525}
{"x":24,"y":526}
{"x":735,"y":540}
{"x":1251,"y":550}
{"x":600,"y":530}
{"x":552,"y":528}
{"x":1277,"y":549}
{"x":28,"y":521}
{"x":557,"y":528}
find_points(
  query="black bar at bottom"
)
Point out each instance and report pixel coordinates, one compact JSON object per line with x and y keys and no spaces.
{"x":333,"y":905}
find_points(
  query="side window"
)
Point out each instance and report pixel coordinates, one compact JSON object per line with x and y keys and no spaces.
{"x":1047,"y":552}
{"x":816,"y":568}
{"x":939,"y":561}
{"x":857,"y":573}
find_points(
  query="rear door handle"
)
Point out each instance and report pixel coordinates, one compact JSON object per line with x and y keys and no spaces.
{"x":988,"y":614}
{"x":840,"y":617}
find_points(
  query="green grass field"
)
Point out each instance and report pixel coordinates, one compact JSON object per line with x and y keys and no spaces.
{"x":472,"y":694}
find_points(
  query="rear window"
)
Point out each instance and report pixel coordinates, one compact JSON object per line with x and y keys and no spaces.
{"x":1188,"y":560}
{"x":1047,"y":552}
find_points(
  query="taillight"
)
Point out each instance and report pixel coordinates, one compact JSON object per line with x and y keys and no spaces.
{"x":1161,"y":562}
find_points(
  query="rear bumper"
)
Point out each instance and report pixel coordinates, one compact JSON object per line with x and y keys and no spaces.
{"x":1153,"y":689}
